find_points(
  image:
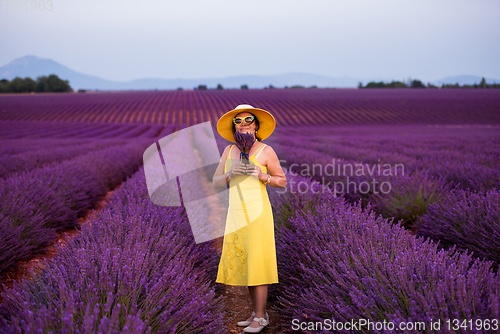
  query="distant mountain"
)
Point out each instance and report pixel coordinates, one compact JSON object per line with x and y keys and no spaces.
{"x":32,"y":66}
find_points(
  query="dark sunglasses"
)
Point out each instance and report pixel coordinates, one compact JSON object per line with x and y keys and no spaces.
{"x":248,"y":120}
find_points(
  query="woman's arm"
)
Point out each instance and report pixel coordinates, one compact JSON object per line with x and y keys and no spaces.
{"x":220,"y":178}
{"x":278,"y":178}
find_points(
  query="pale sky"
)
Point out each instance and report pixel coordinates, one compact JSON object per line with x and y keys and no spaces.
{"x":123,"y":40}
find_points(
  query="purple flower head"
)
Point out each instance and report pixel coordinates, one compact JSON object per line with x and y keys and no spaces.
{"x":244,"y":142}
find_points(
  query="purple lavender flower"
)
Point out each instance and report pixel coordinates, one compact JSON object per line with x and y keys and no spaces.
{"x":244,"y":142}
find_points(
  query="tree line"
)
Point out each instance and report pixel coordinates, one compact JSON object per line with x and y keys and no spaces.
{"x":44,"y":83}
{"x":53,"y":83}
{"x":245,"y":86}
{"x":419,"y":84}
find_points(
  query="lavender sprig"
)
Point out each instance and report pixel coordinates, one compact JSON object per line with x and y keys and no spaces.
{"x":244,"y":142}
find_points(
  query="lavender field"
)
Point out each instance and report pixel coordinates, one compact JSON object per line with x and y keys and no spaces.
{"x":289,"y":106}
{"x":391,"y":212}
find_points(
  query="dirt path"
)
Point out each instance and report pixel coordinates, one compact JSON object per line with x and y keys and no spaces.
{"x":37,"y":262}
{"x":239,"y":305}
{"x":239,"y":308}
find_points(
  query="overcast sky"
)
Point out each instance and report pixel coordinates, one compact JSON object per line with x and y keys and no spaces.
{"x":124,"y":40}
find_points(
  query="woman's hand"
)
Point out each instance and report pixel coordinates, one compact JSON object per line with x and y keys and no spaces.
{"x":254,"y":170}
{"x":237,"y":168}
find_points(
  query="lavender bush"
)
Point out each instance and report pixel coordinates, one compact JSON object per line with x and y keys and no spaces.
{"x":410,"y":196}
{"x":51,"y":199}
{"x":300,"y":194}
{"x":470,"y":220}
{"x":345,"y":263}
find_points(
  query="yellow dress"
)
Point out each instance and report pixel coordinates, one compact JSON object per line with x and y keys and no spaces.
{"x":248,"y":252}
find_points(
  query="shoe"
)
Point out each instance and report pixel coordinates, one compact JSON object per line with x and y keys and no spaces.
{"x":263,"y":322}
{"x":246,"y":323}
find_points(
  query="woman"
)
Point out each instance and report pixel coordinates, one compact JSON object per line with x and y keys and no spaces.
{"x":248,"y":252}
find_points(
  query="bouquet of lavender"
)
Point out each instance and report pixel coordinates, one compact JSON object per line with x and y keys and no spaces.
{"x":244,"y":142}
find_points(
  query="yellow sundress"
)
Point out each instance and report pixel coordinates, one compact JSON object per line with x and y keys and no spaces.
{"x":248,"y":252}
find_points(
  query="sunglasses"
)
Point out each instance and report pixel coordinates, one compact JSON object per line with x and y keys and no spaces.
{"x":248,"y":120}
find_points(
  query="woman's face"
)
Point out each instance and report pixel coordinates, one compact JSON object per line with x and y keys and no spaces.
{"x":243,"y":127}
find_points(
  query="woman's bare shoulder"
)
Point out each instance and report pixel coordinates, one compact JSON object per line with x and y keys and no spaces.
{"x":225,"y":153}
{"x":268,"y":149}
{"x":269,"y":154}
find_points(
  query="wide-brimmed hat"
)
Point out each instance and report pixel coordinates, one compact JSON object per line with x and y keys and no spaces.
{"x":267,"y":123}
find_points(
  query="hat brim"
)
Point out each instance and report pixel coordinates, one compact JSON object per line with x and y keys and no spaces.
{"x":267,"y":123}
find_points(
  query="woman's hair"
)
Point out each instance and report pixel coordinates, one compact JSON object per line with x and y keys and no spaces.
{"x":256,"y":120}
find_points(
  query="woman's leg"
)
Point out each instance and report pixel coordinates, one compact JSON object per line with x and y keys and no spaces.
{"x":251,"y":291}
{"x":259,"y":302}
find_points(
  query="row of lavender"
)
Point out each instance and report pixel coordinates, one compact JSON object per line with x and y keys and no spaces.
{"x":39,"y":202}
{"x":341,"y":262}
{"x":135,"y":268}
{"x":46,"y":153}
{"x":15,"y":130}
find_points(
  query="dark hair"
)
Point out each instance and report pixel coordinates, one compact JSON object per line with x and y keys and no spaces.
{"x":256,"y":120}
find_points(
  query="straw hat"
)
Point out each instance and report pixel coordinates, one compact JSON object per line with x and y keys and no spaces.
{"x":267,"y":123}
